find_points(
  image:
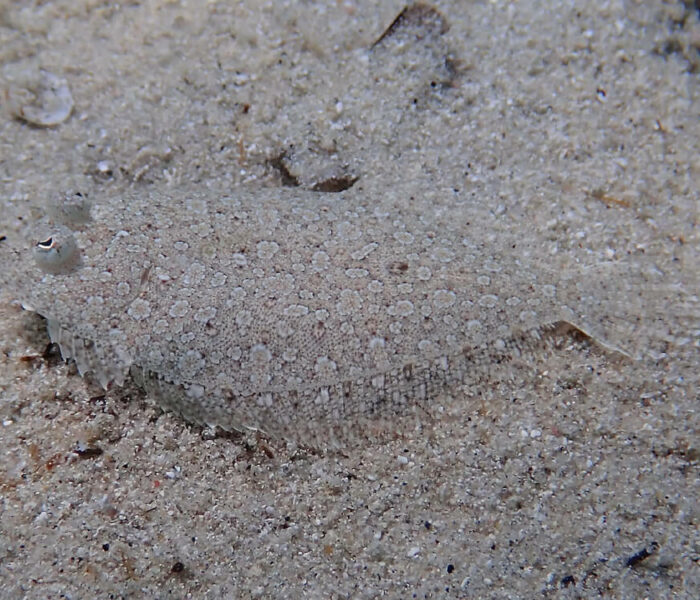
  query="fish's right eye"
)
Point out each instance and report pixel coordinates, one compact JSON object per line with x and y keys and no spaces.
{"x":70,"y":209}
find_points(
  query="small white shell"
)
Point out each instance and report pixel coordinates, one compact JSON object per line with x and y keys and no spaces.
{"x":45,"y":100}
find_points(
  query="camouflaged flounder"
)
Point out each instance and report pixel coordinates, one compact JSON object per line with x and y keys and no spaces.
{"x":316,"y":317}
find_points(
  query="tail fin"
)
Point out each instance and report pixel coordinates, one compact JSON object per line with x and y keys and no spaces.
{"x":635,"y":306}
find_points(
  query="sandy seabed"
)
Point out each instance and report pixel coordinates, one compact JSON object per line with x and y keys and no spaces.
{"x":577,"y":477}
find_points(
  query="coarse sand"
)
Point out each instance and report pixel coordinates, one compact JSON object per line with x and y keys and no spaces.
{"x":574,"y":477}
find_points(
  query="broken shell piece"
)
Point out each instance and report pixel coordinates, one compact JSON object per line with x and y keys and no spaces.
{"x":45,"y":101}
{"x":416,"y":20}
{"x":148,"y":158}
{"x":57,"y":252}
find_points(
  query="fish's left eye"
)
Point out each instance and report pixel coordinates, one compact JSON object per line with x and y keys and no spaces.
{"x":58,"y":252}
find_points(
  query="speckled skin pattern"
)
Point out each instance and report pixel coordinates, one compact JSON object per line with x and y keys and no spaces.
{"x":287,"y":311}
{"x":319,"y":317}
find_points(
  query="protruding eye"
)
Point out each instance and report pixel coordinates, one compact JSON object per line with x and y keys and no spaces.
{"x":70,"y":209}
{"x":58,"y":252}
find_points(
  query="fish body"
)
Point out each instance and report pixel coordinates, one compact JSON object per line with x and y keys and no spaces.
{"x":288,"y":311}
